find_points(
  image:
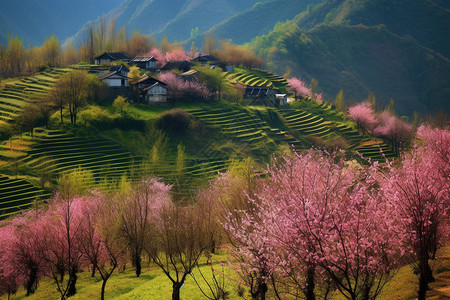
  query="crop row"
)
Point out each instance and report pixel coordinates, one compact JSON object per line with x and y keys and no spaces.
{"x":15,"y":96}
{"x":18,"y":194}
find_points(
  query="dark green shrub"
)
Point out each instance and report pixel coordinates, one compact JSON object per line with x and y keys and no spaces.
{"x":175,"y":120}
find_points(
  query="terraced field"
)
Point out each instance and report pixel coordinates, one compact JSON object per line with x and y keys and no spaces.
{"x":242,"y":127}
{"x":306,"y":123}
{"x":310,"y":124}
{"x":255,"y":77}
{"x":57,"y":152}
{"x":14,"y":96}
{"x":18,"y":194}
{"x":61,"y":152}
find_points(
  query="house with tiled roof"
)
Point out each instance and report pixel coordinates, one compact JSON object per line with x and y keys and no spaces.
{"x":182,"y":65}
{"x":260,"y":95}
{"x":150,"y":90}
{"x":109,"y":57}
{"x":117,"y":76}
{"x":146,"y":63}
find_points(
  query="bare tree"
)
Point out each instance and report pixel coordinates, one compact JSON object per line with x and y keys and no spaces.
{"x":179,"y":238}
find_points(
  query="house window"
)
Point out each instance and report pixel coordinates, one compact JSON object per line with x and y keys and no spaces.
{"x":123,"y":82}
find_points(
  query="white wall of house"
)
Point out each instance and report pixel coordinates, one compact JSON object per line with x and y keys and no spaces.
{"x":157,"y":94}
{"x":116,"y":82}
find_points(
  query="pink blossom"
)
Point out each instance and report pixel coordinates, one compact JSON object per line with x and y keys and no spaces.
{"x":298,"y":87}
{"x":363,"y":116}
{"x":177,"y":55}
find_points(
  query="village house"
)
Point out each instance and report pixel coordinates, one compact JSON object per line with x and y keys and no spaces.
{"x":109,"y":57}
{"x":182,"y":65}
{"x":260,"y":95}
{"x":206,"y":60}
{"x":117,"y":76}
{"x":146,"y":63}
{"x":150,"y":90}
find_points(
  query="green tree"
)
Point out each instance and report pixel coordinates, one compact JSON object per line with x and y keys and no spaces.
{"x":181,"y":162}
{"x":120,"y":103}
{"x":372,"y":100}
{"x":214,"y":79}
{"x":339,"y":102}
{"x":50,"y":51}
{"x":72,"y":86}
{"x":313,"y":88}
{"x":75,"y":183}
{"x":390,"y":108}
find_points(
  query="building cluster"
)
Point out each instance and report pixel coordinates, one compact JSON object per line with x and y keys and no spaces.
{"x":150,"y":90}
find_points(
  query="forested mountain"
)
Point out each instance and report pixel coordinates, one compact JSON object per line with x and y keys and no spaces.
{"x":426,"y":21}
{"x":395,"y":49}
{"x":257,"y":20}
{"x":35,"y":20}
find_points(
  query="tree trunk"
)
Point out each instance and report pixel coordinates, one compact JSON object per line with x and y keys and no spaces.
{"x":425,"y":276}
{"x":72,"y":283}
{"x":138,"y":265}
{"x":102,"y":295}
{"x":310,"y":284}
{"x":61,"y":114}
{"x":176,"y":290}
{"x":32,"y":282}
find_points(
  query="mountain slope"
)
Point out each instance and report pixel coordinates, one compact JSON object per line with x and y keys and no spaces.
{"x":425,"y":20}
{"x":258,"y":20}
{"x":360,"y":59}
{"x":34,"y":20}
{"x":174,"y":18}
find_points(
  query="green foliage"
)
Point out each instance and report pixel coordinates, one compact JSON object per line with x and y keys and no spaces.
{"x":75,"y":183}
{"x":120,"y":103}
{"x":339,"y":102}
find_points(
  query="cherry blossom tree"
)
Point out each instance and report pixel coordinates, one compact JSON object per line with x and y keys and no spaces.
{"x":177,"y":54}
{"x":316,"y":218}
{"x":178,"y":88}
{"x":159,"y":55}
{"x":419,"y":188}
{"x":298,"y":87}
{"x":9,"y":276}
{"x":393,"y":129}
{"x":62,"y":242}
{"x":363,"y":115}
{"x":102,"y":244}
{"x":136,"y":211}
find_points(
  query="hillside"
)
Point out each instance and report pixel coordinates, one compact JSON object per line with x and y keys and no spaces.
{"x":34,"y":21}
{"x":361,"y":59}
{"x":111,"y":144}
{"x":258,"y":20}
{"x":424,"y":20}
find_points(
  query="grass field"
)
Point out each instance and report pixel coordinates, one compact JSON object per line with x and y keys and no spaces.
{"x":154,"y":285}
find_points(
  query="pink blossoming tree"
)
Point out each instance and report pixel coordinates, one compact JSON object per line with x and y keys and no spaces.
{"x":419,"y":188}
{"x":364,"y":116}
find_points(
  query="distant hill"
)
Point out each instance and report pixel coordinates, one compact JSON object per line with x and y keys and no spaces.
{"x":34,"y":20}
{"x":427,"y":21}
{"x":257,"y":20}
{"x":174,"y":18}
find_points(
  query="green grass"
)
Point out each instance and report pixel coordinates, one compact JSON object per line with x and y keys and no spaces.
{"x":153,"y":284}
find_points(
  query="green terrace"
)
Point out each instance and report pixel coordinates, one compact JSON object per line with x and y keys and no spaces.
{"x":254,"y":77}
{"x":14,"y":96}
{"x":18,"y":194}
